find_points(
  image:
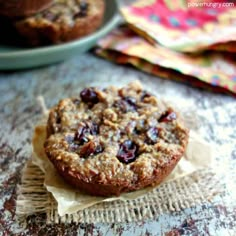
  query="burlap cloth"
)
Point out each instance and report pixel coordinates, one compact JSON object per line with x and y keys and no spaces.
{"x":192,"y":182}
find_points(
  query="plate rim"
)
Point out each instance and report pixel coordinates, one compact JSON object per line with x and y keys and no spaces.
{"x":116,"y":18}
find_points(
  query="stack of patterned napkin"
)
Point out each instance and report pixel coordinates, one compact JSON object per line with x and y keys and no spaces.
{"x":190,"y":41}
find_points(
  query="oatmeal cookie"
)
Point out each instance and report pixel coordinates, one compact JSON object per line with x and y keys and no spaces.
{"x":110,"y":141}
{"x":63,"y":21}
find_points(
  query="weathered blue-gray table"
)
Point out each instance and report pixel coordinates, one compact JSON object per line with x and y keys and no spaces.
{"x":19,"y":112}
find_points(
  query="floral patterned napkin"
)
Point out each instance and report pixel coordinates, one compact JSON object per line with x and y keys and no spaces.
{"x":185,"y":25}
{"x":149,"y":36}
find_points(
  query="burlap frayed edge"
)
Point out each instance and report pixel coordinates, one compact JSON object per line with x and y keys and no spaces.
{"x":197,"y":188}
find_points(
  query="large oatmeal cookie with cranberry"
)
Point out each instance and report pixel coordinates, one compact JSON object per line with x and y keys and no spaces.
{"x":114,"y":140}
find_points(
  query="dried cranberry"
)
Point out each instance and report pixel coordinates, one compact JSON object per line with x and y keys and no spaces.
{"x":121,"y":104}
{"x":126,"y":104}
{"x":89,"y":95}
{"x":168,"y":116}
{"x":83,"y":6}
{"x":81,"y":134}
{"x":144,"y":95}
{"x":90,"y":148}
{"x":131,"y":101}
{"x":127,"y":152}
{"x":152,"y":135}
{"x":87,"y":150}
{"x":92,"y":127}
{"x":89,"y":128}
{"x":82,"y":11}
{"x":71,"y":141}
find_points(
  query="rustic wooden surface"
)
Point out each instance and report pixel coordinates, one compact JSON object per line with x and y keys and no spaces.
{"x":19,"y":112}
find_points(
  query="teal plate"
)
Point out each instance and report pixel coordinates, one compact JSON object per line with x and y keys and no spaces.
{"x":13,"y":58}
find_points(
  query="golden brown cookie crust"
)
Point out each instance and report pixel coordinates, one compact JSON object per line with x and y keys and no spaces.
{"x":64,"y":21}
{"x":118,"y":140}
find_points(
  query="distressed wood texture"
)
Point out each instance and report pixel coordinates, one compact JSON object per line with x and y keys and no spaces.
{"x":215,"y":116}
